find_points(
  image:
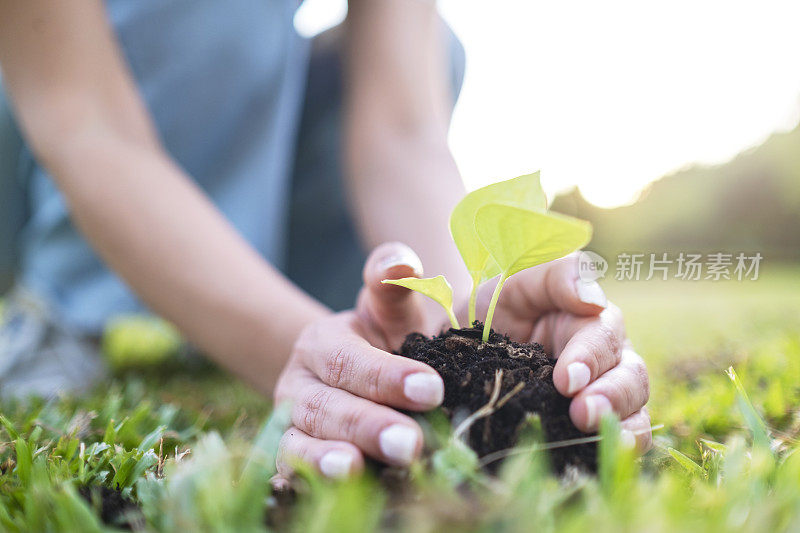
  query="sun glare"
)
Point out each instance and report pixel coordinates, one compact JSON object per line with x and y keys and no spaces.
{"x":610,"y":96}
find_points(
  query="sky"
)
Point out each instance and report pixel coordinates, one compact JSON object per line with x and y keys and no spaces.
{"x":609,"y":96}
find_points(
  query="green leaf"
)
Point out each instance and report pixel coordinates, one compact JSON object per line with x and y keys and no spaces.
{"x":518,"y":239}
{"x":616,"y":463}
{"x":12,"y":431}
{"x":152,"y":438}
{"x":688,"y":465}
{"x":24,"y":460}
{"x":261,"y":459}
{"x":437,"y":289}
{"x":455,"y":462}
{"x":524,"y":192}
{"x":713,"y":445}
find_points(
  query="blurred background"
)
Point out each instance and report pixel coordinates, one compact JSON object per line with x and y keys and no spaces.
{"x":669,"y":126}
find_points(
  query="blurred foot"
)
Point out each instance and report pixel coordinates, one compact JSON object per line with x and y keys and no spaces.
{"x":38,"y":355}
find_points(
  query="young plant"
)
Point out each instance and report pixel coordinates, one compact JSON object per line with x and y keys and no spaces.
{"x":437,"y":289}
{"x":502,"y":229}
{"x":525,"y":192}
{"x":518,"y":239}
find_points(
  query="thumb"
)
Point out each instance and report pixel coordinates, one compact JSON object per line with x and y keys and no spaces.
{"x":394,"y":311}
{"x":557,"y":286}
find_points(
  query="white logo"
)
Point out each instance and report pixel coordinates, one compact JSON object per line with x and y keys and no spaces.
{"x":591,"y":266}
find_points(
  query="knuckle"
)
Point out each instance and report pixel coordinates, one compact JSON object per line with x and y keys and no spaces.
{"x":629,"y":399}
{"x":608,"y":340}
{"x":336,"y":367}
{"x":350,"y":424}
{"x":594,"y":353}
{"x":373,"y":378}
{"x":313,"y":410}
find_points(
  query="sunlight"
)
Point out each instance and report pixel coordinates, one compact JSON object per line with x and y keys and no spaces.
{"x":611,"y":96}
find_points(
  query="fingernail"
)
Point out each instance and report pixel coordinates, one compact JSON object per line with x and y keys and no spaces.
{"x":591,"y":293}
{"x":336,"y":464}
{"x":424,"y":388}
{"x":579,"y":376}
{"x":596,"y":407}
{"x":404,"y":258}
{"x":398,"y":443}
{"x":627,"y":439}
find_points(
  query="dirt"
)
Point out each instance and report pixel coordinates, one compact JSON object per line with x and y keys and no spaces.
{"x":113,"y":508}
{"x":469,"y":370}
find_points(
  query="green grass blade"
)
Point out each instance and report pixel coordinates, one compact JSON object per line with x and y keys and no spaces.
{"x":687,"y":463}
{"x":756,"y":425}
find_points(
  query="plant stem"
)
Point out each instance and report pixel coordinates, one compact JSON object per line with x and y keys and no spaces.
{"x":487,"y":326}
{"x":473,"y":298}
{"x":452,"y":316}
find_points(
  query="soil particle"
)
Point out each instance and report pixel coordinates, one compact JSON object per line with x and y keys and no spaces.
{"x":468,"y":368}
{"x":114,"y":508}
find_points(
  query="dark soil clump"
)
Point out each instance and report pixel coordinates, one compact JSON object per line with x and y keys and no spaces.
{"x":468,"y":368}
{"x":114,"y":508}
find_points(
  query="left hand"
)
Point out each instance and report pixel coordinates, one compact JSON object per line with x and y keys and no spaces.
{"x":596,"y":365}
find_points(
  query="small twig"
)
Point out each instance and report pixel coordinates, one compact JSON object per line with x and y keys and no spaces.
{"x":502,"y":454}
{"x":510,"y":394}
{"x":486,"y":410}
{"x":160,"y":467}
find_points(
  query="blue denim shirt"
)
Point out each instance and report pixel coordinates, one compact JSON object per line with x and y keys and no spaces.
{"x":224,"y":83}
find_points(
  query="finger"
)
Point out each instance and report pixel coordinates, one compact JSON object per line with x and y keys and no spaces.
{"x":593,"y":348}
{"x":624,"y":390}
{"x":636,"y":430}
{"x":380,"y":432}
{"x":394,"y":310}
{"x":334,"y":459}
{"x":554,"y":286}
{"x":349,"y":362}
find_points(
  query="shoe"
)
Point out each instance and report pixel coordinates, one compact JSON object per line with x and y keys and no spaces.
{"x":41,"y":357}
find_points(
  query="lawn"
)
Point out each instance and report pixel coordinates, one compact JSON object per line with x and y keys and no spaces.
{"x":190,"y":449}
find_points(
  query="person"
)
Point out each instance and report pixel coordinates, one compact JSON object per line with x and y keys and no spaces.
{"x":201,"y":160}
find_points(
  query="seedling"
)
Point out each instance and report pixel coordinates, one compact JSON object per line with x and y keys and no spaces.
{"x":437,"y":289}
{"x":502,"y":229}
{"x":525,"y":192}
{"x":518,"y":239}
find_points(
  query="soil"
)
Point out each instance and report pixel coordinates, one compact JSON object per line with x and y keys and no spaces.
{"x":114,"y":508}
{"x":469,"y":368}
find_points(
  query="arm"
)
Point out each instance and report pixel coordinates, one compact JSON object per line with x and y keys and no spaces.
{"x":403,"y":179}
{"x":81,"y":114}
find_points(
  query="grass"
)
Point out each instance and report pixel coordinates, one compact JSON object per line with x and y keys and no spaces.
{"x":192,"y":449}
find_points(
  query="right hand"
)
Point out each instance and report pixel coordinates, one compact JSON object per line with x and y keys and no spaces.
{"x":343,"y":382}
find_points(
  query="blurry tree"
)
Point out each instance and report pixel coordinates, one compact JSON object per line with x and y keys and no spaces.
{"x":751,"y":203}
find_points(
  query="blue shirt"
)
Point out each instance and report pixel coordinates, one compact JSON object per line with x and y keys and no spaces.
{"x":224,"y":82}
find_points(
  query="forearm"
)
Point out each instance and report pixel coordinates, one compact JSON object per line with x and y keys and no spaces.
{"x":405,"y":191}
{"x":82,"y":116}
{"x":153,"y":226}
{"x":402,"y":177}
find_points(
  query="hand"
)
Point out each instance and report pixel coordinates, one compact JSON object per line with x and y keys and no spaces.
{"x":343,"y":381}
{"x":572,"y":319}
